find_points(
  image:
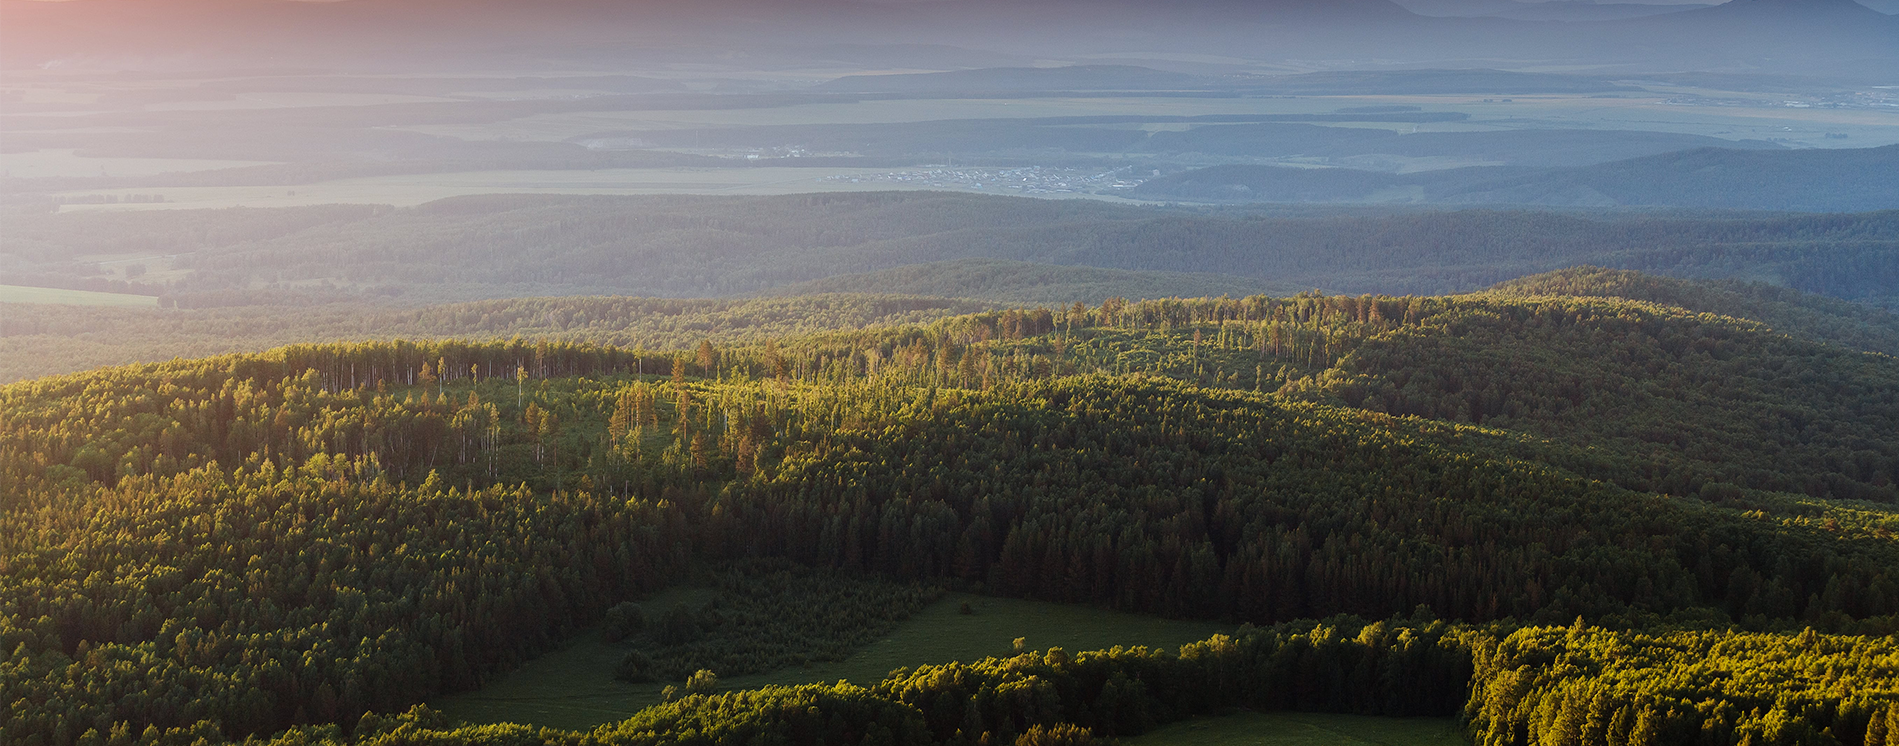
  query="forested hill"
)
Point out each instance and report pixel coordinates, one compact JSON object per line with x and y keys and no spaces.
{"x":474,"y":248}
{"x":1566,"y":506}
{"x":1790,"y":311}
{"x":1805,"y":180}
{"x":41,"y":340}
{"x":1008,"y":282}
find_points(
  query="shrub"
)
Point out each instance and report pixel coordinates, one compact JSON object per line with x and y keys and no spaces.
{"x":702,"y":682}
{"x":623,"y":621}
{"x":1059,"y":734}
{"x":635,"y":667}
{"x":678,"y":626}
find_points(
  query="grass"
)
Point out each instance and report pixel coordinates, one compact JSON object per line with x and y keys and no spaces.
{"x":574,"y":687}
{"x":23,"y":294}
{"x":1304,"y":729}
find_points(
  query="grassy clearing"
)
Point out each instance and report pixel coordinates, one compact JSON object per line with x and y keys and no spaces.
{"x":574,"y":687}
{"x":1304,"y":729}
{"x":23,"y":294}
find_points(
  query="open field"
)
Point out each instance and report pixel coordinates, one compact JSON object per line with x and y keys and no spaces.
{"x":22,"y":294}
{"x":1304,"y":729}
{"x":574,"y":687}
{"x":42,"y":163}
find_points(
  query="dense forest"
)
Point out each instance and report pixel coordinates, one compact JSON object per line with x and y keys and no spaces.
{"x":1587,"y":508}
{"x":1025,"y":284}
{"x":763,"y":615}
{"x":39,"y":340}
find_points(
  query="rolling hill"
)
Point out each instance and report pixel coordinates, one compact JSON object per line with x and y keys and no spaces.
{"x":1491,"y":501}
{"x":1779,"y":33}
{"x":1812,"y":181}
{"x":498,"y":246}
{"x":1592,"y":440}
{"x":1108,"y":142}
{"x":42,"y":340}
{"x":1804,"y":180}
{"x":1428,"y":82}
{"x":1024,"y":79}
{"x":1788,"y":311}
{"x":1024,"y":283}
{"x":1823,"y":15}
{"x":1546,"y":10}
{"x":1583,"y":10}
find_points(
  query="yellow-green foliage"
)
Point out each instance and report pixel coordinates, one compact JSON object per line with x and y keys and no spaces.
{"x":230,"y":547}
{"x":1550,"y":685}
{"x":1586,"y":685}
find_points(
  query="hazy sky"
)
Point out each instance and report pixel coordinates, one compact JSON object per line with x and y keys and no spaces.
{"x":1777,"y":35}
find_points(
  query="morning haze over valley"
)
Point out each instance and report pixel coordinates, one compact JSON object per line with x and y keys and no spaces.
{"x":961,"y":372}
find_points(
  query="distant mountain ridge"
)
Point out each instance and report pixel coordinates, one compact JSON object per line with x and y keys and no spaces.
{"x":1544,"y":10}
{"x":1797,"y":180}
{"x":1002,"y":280}
{"x":1303,"y":10}
{"x":1221,"y":138}
{"x":1844,"y":24}
{"x":1022,"y":79}
{"x":1136,"y":78}
{"x":1582,"y":10}
{"x":1781,"y":10}
{"x":1436,"y":81}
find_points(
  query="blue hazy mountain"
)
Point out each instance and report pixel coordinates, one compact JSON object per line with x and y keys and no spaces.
{"x":1843,"y":180}
{"x":1546,"y":10}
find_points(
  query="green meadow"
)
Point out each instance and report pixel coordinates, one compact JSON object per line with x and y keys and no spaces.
{"x":23,"y":294}
{"x":574,"y":687}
